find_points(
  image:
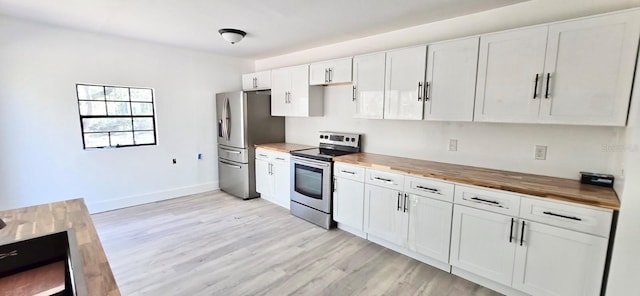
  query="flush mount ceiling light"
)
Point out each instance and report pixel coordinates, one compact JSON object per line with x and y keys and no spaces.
{"x":232,"y":35}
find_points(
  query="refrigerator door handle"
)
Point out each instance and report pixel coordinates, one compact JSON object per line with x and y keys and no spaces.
{"x":220,"y":128}
{"x":228,"y":119}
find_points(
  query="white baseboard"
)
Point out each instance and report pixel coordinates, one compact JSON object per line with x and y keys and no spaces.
{"x":402,"y":250}
{"x":134,"y":200}
{"x":352,"y":230}
{"x":486,"y":282}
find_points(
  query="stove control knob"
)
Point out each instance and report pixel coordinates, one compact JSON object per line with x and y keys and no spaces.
{"x":321,"y":136}
{"x":353,"y":139}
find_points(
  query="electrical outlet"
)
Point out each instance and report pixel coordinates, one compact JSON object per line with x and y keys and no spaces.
{"x":541,"y":152}
{"x":453,"y":145}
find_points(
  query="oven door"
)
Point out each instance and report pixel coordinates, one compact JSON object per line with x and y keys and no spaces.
{"x":311,"y":183}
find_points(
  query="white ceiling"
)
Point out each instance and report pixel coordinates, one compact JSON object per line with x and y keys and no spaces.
{"x":273,"y":27}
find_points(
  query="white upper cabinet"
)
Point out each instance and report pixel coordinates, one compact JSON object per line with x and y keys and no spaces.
{"x":451,"y":80}
{"x":589,"y":70}
{"x":404,"y":83}
{"x":256,"y":81}
{"x":574,"y":72}
{"x":291,"y":94}
{"x":509,"y":64}
{"x":368,"y":85}
{"x":330,"y":72}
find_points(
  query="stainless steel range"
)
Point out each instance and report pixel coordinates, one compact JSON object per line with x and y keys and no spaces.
{"x":312,"y":175}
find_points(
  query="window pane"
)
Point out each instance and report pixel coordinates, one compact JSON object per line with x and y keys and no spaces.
{"x":142,"y":124}
{"x":121,"y":139}
{"x":141,"y":94}
{"x":142,"y":108}
{"x":90,"y":92}
{"x":117,"y":93}
{"x":118,"y":108}
{"x":96,"y":140}
{"x":92,"y":108}
{"x":106,"y":124}
{"x":144,"y":137}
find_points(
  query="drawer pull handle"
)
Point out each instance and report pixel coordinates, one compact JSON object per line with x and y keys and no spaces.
{"x":230,"y":151}
{"x":428,"y":189}
{"x":347,"y":172}
{"x":263,"y":155}
{"x":562,"y":216}
{"x":486,"y":201}
{"x":279,"y":158}
{"x":384,"y":180}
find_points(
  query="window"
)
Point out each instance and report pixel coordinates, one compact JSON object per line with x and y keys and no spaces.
{"x":114,"y":116}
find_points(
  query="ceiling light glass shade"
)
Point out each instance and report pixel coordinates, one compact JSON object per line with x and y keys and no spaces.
{"x":232,"y":35}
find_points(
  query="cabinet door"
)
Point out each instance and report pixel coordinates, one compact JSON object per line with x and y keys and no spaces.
{"x":263,"y":80}
{"x":384,"y":216}
{"x":248,"y":82}
{"x":263,"y":178}
{"x":590,"y":64}
{"x":404,"y":83}
{"x":480,"y":243}
{"x":280,"y":86}
{"x":507,"y":89}
{"x":281,"y":181}
{"x":556,"y":261}
{"x":451,"y":80}
{"x":318,"y":74}
{"x":299,"y":96}
{"x":339,"y":70}
{"x":348,"y":202}
{"x":430,"y":227}
{"x":368,"y":85}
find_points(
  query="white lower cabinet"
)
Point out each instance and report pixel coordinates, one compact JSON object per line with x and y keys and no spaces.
{"x":272,"y":176}
{"x":348,"y":203}
{"x":556,"y":261}
{"x":482,"y":243}
{"x":384,"y":215}
{"x":429,"y":227}
{"x":537,"y":255}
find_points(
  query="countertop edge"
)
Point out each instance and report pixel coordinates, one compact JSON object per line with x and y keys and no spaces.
{"x":472,"y":182}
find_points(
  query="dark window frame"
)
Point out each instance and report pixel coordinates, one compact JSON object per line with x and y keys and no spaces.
{"x":131,"y":116}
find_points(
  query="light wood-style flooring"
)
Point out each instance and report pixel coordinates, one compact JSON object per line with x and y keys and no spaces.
{"x":217,"y":244}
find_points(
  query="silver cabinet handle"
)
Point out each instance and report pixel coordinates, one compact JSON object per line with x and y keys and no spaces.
{"x":511,"y":230}
{"x":522,"y":233}
{"x":231,"y":165}
{"x":354,"y":93}
{"x":279,"y":158}
{"x":230,"y":151}
{"x":486,"y":202}
{"x":383,"y":179}
{"x":432,"y":190}
{"x":347,"y":172}
{"x":398,"y":207}
{"x":330,"y":78}
{"x":263,"y":155}
{"x":335,"y":185}
{"x":326,"y":75}
{"x":419,"y":91}
{"x":405,"y":203}
{"x":427,"y":91}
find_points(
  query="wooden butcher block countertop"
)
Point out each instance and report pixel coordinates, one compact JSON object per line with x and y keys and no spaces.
{"x":24,"y":223}
{"x":284,"y":147}
{"x":542,"y":186}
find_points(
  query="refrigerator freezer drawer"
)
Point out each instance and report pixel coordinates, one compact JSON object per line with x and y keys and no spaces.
{"x":235,"y":179}
{"x":233,"y":154}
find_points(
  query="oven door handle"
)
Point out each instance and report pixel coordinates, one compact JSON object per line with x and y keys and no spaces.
{"x":320,"y":164}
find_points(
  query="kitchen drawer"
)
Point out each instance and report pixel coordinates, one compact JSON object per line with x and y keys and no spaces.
{"x":385,"y":179}
{"x":429,"y":188}
{"x":576,"y":217}
{"x":279,"y":157}
{"x":488,"y":199}
{"x":263,"y":154}
{"x":348,"y":171}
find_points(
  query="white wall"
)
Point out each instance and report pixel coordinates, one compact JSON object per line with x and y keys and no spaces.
{"x":40,"y":140}
{"x":624,"y":275}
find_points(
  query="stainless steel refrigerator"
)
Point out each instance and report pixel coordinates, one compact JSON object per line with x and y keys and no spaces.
{"x":243,"y":120}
